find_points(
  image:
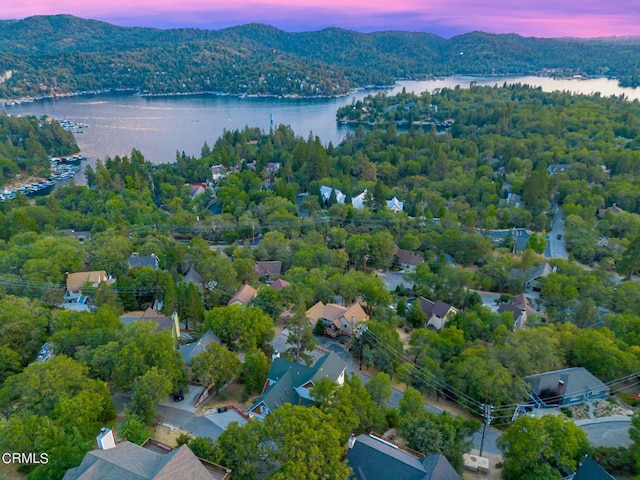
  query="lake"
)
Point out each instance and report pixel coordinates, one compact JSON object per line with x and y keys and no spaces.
{"x":160,"y":126}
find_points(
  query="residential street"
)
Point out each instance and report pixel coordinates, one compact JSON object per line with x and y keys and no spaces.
{"x":555,"y":239}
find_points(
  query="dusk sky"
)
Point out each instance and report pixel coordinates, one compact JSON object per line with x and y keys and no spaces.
{"x":538,"y":18}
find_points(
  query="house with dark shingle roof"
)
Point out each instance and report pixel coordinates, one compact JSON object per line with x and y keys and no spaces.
{"x":438,"y":313}
{"x":372,"y":457}
{"x":150,"y":261}
{"x":290,"y":382}
{"x":590,"y":470}
{"x":564,"y":387}
{"x":192,"y":349}
{"x":409,"y":259}
{"x":128,"y":461}
{"x":520,"y":307}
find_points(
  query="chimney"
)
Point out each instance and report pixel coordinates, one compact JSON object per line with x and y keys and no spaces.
{"x":274,"y":355}
{"x":352,"y":440}
{"x":560,"y":386}
{"x":105,"y":439}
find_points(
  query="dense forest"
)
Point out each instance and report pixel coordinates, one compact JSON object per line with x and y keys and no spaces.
{"x":50,"y":55}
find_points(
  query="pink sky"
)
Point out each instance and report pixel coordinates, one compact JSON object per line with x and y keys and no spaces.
{"x":540,"y":18}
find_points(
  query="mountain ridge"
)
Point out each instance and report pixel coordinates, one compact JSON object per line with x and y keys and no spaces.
{"x":62,"y":53}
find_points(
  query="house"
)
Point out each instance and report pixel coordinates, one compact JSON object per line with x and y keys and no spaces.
{"x":358,"y":200}
{"x":613,"y":209}
{"x":153,"y":460}
{"x":243,"y":296}
{"x":375,"y":457}
{"x":325,"y":192}
{"x":556,"y":168}
{"x":395,"y":205}
{"x":192,"y":349}
{"x":533,"y":277}
{"x":280,"y":284}
{"x":533,"y":280}
{"x":218,"y":172}
{"x":81,"y":236}
{"x":75,"y":282}
{"x":290,"y":382}
{"x":268,"y":270}
{"x":564,"y":387}
{"x":136,"y":260}
{"x":172,"y":323}
{"x":521,"y":309}
{"x":408,"y":259}
{"x":192,"y":276}
{"x":273,"y":167}
{"x":196,"y":189}
{"x":438,"y":313}
{"x":590,"y":470}
{"x":338,"y":320}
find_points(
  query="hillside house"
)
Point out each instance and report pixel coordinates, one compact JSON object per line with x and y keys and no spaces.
{"x":75,"y":282}
{"x":521,"y":309}
{"x":338,"y":320}
{"x":564,"y":387}
{"x":290,"y":382}
{"x":243,"y":296}
{"x":438,"y":313}
{"x":375,"y":457}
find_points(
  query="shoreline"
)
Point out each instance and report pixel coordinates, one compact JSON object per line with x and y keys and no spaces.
{"x":4,"y":102}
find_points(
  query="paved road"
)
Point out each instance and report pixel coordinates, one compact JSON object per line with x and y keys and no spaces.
{"x":556,"y":246}
{"x":609,"y":434}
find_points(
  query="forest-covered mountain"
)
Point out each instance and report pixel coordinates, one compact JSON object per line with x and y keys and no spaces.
{"x":48,"y":55}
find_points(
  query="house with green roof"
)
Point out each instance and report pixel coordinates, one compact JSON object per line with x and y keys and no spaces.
{"x":290,"y":382}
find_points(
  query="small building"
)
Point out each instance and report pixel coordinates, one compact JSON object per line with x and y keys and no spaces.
{"x":375,"y":457}
{"x":152,"y":461}
{"x":564,"y":387}
{"x":409,"y":259}
{"x":438,"y":313}
{"x":521,"y":309}
{"x":272,"y":167}
{"x":338,"y":320}
{"x":75,"y":282}
{"x":243,"y":296}
{"x":290,"y":382}
{"x":151,"y":261}
{"x":395,"y":205}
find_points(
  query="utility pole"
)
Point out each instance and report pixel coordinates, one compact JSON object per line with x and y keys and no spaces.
{"x":488,"y":417}
{"x":359,"y":330}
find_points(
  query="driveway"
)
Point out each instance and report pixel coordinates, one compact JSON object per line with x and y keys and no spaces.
{"x":395,"y":279}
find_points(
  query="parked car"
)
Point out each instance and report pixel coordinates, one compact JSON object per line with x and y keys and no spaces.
{"x":178,"y":396}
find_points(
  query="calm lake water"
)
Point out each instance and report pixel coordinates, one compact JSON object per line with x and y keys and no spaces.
{"x":160,"y":126}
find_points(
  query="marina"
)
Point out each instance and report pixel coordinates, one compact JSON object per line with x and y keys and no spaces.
{"x":62,"y":170}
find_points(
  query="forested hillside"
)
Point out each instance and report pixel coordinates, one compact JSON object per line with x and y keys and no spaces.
{"x":61,"y":54}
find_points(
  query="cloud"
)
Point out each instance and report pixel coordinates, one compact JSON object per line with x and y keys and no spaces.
{"x":548,"y":18}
